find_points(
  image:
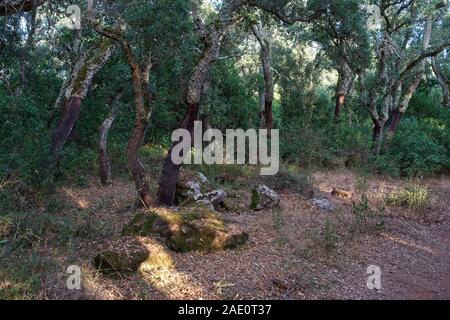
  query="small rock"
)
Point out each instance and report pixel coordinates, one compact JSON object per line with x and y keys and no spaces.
{"x":215,"y":197}
{"x":202,"y":177}
{"x":194,"y":190}
{"x":323,"y":203}
{"x":264,"y":198}
{"x":195,"y":187}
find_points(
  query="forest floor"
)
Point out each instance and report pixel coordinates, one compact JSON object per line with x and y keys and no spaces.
{"x":298,"y":251}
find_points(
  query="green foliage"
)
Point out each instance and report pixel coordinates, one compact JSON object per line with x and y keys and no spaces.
{"x":290,"y":178}
{"x":418,"y":148}
{"x":229,"y":104}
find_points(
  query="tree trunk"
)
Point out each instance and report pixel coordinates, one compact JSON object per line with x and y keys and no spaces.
{"x":340,"y":101}
{"x":103,"y":160}
{"x":262,"y":104}
{"x":143,"y":101}
{"x":264,"y":41}
{"x":343,"y":88}
{"x":170,"y":170}
{"x":377,"y":137}
{"x":66,"y":89}
{"x":401,"y":105}
{"x":25,"y":52}
{"x":65,"y":124}
{"x":211,"y":36}
{"x":80,"y":84}
{"x":443,"y":82}
{"x":269,"y":116}
{"x":134,"y":163}
{"x":395,"y":121}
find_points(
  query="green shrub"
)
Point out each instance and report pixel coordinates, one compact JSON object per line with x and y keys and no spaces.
{"x":414,"y":196}
{"x":289,"y":178}
{"x":418,"y":148}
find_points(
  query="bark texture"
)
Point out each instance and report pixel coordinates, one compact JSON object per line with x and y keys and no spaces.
{"x":443,"y":80}
{"x":211,"y":37}
{"x":343,"y":88}
{"x":379,"y":117}
{"x":25,"y":52}
{"x":401,"y":104}
{"x":104,"y":164}
{"x":81,"y":81}
{"x":143,"y":99}
{"x":266,"y":102}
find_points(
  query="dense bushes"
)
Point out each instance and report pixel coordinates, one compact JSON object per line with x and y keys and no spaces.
{"x":418,"y":148}
{"x":422,"y":144}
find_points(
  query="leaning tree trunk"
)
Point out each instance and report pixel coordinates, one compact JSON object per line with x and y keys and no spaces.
{"x":443,"y":82}
{"x":143,"y":98}
{"x":66,"y":89}
{"x":264,"y":41}
{"x":211,"y":36}
{"x":342,"y":90}
{"x":399,"y":110}
{"x":79,"y":86}
{"x":170,"y":170}
{"x":143,"y":101}
{"x":377,"y":136}
{"x":395,"y":121}
{"x":104,"y":164}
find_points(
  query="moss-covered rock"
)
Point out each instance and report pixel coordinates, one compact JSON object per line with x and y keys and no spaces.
{"x":194,"y":227}
{"x":234,"y":204}
{"x":121,"y":256}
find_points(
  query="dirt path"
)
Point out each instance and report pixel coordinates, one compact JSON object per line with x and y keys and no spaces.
{"x":296,"y":252}
{"x":413,"y":253}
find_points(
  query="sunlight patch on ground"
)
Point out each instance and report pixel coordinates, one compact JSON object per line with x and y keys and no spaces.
{"x":100,"y":288}
{"x":408,"y":244}
{"x":159,"y":271}
{"x":79,"y":201}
